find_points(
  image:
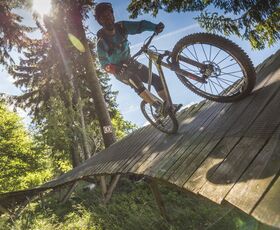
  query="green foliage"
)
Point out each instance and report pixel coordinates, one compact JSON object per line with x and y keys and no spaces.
{"x":22,"y":162}
{"x":257,"y":21}
{"x":122,"y":127}
{"x":57,"y":92}
{"x":12,"y":33}
{"x":132,"y":207}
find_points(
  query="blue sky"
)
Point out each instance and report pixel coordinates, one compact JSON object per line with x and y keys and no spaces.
{"x":177,"y":25}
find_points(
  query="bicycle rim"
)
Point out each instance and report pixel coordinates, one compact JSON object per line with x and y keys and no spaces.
{"x":166,"y":124}
{"x":231,"y":77}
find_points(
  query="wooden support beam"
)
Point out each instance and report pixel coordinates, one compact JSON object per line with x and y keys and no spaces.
{"x":111,"y":188}
{"x":154,"y":187}
{"x":69,"y":192}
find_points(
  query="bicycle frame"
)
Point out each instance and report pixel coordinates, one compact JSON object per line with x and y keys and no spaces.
{"x":157,"y":59}
{"x":153,"y":58}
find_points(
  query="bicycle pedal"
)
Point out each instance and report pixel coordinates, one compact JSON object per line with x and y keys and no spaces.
{"x":176,"y":107}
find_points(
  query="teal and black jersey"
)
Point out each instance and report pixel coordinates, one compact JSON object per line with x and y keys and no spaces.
{"x":115,"y":49}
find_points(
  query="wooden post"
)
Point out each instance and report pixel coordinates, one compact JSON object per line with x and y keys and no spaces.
{"x":69,"y":192}
{"x":110,"y":190}
{"x":158,"y":198}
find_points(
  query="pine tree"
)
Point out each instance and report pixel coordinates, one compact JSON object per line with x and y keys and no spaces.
{"x":56,"y":90}
{"x":12,"y":33}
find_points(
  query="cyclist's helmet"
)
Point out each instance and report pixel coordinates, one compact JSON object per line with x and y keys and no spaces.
{"x":100,"y":7}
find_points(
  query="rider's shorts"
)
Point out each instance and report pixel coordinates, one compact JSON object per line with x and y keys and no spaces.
{"x":136,"y":74}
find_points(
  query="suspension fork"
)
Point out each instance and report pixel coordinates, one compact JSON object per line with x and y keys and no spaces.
{"x":165,"y":88}
{"x":162,"y":78}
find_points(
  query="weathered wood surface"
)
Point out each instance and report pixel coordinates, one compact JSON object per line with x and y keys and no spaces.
{"x":224,"y":152}
{"x":268,"y":209}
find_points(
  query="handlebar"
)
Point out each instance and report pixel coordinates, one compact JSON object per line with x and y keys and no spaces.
{"x":143,"y":48}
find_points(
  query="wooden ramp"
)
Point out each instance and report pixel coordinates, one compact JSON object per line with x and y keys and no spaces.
{"x":224,"y":152}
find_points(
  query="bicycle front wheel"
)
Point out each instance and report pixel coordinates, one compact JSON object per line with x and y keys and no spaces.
{"x":229,"y":73}
{"x":166,"y":124}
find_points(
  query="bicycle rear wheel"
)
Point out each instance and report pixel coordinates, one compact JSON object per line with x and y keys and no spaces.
{"x":166,"y":124}
{"x":229,"y":76}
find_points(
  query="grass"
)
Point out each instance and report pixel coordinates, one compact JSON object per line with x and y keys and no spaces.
{"x":132,"y":207}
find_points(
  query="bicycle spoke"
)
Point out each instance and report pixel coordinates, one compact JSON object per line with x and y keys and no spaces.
{"x":204,"y":52}
{"x":225,"y":81}
{"x":185,"y":55}
{"x":210,"y":53}
{"x":239,"y":71}
{"x":230,"y":65}
{"x":188,"y":68}
{"x":192,"y":71}
{"x":230,"y":75}
{"x":195,"y":53}
{"x":219,"y":84}
{"x":200,"y":85}
{"x":191,"y":53}
{"x":223,"y":60}
{"x":216,"y":55}
{"x":214,"y":86}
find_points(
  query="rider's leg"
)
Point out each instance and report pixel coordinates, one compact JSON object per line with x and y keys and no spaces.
{"x":147,"y":97}
{"x":141,"y":74}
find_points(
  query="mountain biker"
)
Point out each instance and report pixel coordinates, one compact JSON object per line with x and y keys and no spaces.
{"x":113,"y":52}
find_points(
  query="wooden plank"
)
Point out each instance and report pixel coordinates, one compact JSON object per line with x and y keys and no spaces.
{"x":268,"y":210}
{"x":129,"y":151}
{"x":138,"y":161}
{"x":216,"y":156}
{"x":126,"y":149}
{"x":109,"y":153}
{"x":161,"y":150}
{"x":210,"y":138}
{"x":140,"y":155}
{"x":143,"y":142}
{"x":223,"y":179}
{"x":144,"y":149}
{"x":171,"y":165}
{"x":91,"y":164}
{"x":161,"y":147}
{"x":160,"y":163}
{"x":186,"y":165}
{"x":251,"y":186}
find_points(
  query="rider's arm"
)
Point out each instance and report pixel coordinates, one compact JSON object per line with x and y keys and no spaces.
{"x":102,"y":54}
{"x":104,"y":60}
{"x":138,"y":27}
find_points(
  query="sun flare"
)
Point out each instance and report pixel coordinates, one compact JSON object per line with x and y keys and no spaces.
{"x":42,"y":7}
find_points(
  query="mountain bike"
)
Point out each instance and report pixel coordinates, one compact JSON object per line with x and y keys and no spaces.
{"x":211,"y":66}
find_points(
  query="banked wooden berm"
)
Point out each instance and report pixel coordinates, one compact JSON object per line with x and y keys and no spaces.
{"x":228,"y":153}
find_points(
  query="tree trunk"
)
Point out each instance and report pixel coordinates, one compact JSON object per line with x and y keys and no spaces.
{"x":93,"y":83}
{"x":83,"y":127}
